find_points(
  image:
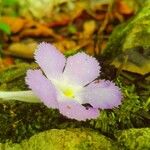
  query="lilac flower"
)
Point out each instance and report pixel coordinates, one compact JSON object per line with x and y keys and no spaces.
{"x":69,"y":83}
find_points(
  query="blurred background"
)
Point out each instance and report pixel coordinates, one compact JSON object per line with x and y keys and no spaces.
{"x":71,"y":25}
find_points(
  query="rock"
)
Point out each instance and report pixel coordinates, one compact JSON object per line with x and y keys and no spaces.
{"x":64,"y":139}
{"x":130,"y":41}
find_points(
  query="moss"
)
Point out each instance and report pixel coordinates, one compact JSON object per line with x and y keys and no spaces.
{"x":68,"y":139}
{"x":131,"y":113}
{"x":13,"y":78}
{"x":22,"y":120}
{"x":84,"y":139}
{"x":132,"y":139}
{"x":130,"y":40}
{"x":128,"y":35}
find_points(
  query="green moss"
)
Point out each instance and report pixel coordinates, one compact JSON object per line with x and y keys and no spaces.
{"x":68,"y":139}
{"x":131,"y":113}
{"x":132,"y":139}
{"x":128,"y":35}
{"x":131,"y":40}
{"x":13,"y":78}
{"x":22,"y":120}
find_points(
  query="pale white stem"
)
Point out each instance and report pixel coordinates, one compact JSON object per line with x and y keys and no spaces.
{"x":24,"y":96}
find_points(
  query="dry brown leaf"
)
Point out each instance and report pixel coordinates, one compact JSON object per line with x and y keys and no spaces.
{"x":16,"y":24}
{"x":89,"y":28}
{"x":65,"y":45}
{"x":123,"y":8}
{"x":28,"y":28}
{"x":22,"y":49}
{"x":89,"y":49}
{"x":64,"y":18}
{"x":8,"y":61}
{"x":37,"y":30}
{"x":109,"y":28}
{"x":60,"y":20}
{"x":78,"y":9}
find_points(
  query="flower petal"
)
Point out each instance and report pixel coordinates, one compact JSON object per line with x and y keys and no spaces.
{"x":103,"y":94}
{"x":42,"y":87}
{"x":50,"y":60}
{"x":74,"y":110}
{"x":81,"y":68}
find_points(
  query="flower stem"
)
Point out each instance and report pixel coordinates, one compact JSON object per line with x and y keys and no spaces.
{"x":24,"y":96}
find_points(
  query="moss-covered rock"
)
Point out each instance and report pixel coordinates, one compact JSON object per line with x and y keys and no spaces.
{"x":134,"y":139}
{"x":65,"y":139}
{"x":130,"y":42}
{"x":12,"y":78}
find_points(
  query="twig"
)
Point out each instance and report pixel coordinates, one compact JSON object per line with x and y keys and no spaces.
{"x":100,"y":33}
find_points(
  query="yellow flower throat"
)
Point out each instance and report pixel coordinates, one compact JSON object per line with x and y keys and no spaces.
{"x":68,"y":92}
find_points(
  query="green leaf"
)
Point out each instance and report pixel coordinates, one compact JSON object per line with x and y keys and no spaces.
{"x":72,"y":29}
{"x":71,"y":52}
{"x":5,"y":28}
{"x":9,"y":2}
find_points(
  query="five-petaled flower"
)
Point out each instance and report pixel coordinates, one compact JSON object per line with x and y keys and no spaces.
{"x":68,"y":84}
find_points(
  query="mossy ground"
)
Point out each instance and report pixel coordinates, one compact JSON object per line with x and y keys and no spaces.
{"x":20,"y":120}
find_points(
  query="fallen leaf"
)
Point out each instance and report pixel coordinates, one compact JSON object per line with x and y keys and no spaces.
{"x":22,"y":49}
{"x":65,"y":45}
{"x":36,"y":29}
{"x":123,"y":8}
{"x":16,"y":24}
{"x":8,"y":61}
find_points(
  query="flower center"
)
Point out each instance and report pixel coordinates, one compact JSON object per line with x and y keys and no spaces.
{"x":66,"y":89}
{"x":68,"y":92}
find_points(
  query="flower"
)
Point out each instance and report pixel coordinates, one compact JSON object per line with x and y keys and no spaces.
{"x":68,"y":84}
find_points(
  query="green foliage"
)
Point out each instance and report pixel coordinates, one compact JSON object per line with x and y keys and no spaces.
{"x":128,"y":115}
{"x":15,"y":73}
{"x":9,"y":7}
{"x":72,"y":29}
{"x":132,"y":139}
{"x":70,"y":53}
{"x":9,"y":2}
{"x":22,"y":120}
{"x":5,"y":28}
